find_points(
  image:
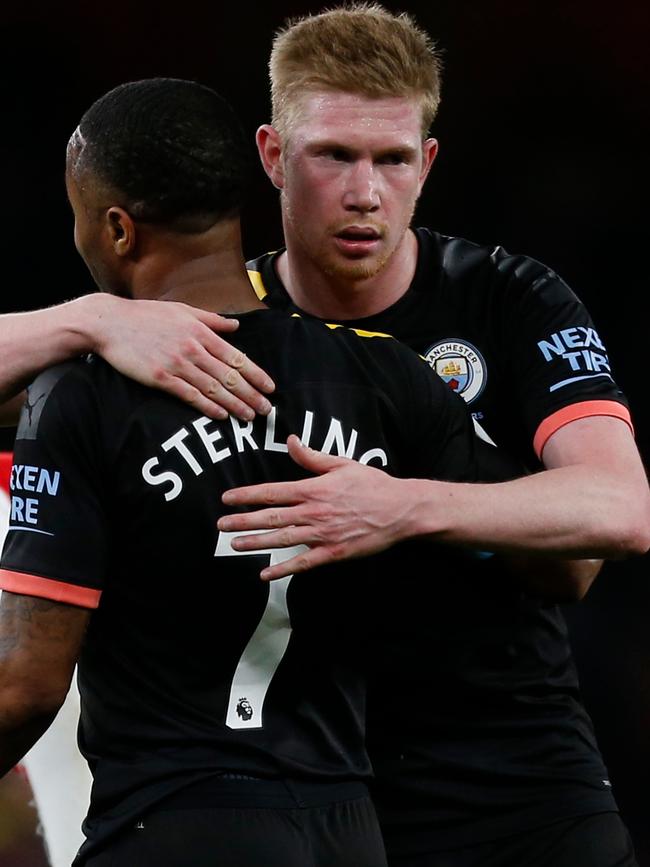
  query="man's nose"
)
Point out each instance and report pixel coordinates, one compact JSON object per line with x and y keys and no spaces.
{"x":362,"y":189}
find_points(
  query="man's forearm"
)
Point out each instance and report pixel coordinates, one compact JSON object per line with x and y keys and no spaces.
{"x":592,"y":502}
{"x":30,"y":342}
{"x":165,"y":345}
{"x":577,"y":511}
{"x":18,"y":734}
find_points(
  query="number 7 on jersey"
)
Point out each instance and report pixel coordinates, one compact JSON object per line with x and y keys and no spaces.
{"x":266,"y":646}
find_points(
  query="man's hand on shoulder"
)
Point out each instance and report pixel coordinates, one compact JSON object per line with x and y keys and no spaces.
{"x":177,"y":348}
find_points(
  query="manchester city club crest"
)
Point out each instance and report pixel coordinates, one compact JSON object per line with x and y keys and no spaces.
{"x":461,"y":366}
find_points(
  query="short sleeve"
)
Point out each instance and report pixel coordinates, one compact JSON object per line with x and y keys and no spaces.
{"x":56,"y":545}
{"x":559,"y":366}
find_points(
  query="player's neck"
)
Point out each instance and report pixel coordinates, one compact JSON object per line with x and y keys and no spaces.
{"x":206,"y":271}
{"x":330,"y":295}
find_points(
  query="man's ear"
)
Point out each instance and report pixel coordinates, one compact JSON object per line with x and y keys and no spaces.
{"x":121,"y":231}
{"x":429,"y":153}
{"x":269,"y":148}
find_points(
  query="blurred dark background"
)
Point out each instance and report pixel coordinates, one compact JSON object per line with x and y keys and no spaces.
{"x":544,"y":143}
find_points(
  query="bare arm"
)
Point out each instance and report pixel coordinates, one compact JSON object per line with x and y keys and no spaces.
{"x":592,"y":501}
{"x":40,"y":641}
{"x":161,"y":344}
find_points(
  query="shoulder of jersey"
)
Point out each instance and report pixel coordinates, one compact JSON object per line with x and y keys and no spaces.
{"x":461,"y":255}
{"x":73,"y":369}
{"x":86,"y":373}
{"x":73,"y":373}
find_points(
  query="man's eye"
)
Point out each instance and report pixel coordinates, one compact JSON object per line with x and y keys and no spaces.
{"x":337,"y":154}
{"x":395,"y":159}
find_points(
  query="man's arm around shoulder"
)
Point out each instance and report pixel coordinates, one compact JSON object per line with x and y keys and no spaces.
{"x":591,"y":501}
{"x":161,"y":344}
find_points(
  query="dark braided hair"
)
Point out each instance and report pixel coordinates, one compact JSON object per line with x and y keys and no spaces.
{"x":173,"y":149}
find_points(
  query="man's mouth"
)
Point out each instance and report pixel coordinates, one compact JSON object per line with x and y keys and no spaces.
{"x":358,"y":240}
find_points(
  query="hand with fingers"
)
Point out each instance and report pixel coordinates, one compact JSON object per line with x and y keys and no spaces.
{"x":347,"y":510}
{"x":178,"y":349}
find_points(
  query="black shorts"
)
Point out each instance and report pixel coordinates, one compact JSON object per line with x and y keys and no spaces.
{"x":598,"y":840}
{"x":291,"y":825}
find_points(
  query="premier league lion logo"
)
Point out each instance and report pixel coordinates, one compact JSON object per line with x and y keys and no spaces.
{"x":244,"y":709}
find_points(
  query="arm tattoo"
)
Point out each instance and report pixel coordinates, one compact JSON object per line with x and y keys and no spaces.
{"x":32,"y":622}
{"x":27,"y":606}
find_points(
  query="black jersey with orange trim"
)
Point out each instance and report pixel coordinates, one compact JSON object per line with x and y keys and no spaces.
{"x":476,"y":728}
{"x":192,"y":666}
{"x":504,"y":331}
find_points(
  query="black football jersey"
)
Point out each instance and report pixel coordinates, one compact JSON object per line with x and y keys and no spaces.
{"x":503,"y":331}
{"x":475,"y":726}
{"x":192,"y":666}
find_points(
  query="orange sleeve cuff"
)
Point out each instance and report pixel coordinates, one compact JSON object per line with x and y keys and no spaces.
{"x":567,"y":414}
{"x":47,"y":588}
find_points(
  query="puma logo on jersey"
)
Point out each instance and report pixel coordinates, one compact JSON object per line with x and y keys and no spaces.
{"x":30,"y":407}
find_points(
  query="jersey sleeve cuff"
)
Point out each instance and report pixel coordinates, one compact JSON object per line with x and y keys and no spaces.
{"x":584,"y":409}
{"x":47,"y":588}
